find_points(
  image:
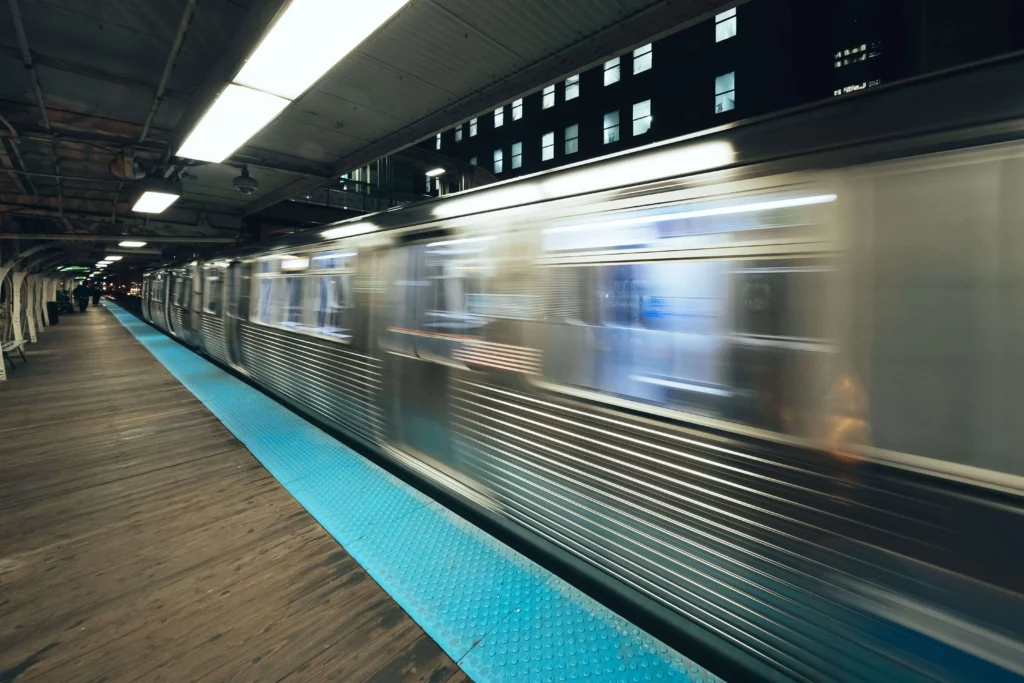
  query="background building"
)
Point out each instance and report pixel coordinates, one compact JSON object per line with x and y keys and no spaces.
{"x":753,"y":59}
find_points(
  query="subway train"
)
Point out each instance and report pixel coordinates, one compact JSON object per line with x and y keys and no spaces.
{"x":763,"y":384}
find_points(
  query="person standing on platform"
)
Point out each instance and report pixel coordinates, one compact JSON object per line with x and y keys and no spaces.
{"x":97,"y":292}
{"x":82,"y":293}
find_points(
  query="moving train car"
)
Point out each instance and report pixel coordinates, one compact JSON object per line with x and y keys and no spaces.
{"x":763,"y":383}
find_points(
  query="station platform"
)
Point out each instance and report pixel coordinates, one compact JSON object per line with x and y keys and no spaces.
{"x":162,"y":520}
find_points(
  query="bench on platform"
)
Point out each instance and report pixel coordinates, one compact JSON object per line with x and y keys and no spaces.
{"x":7,"y":347}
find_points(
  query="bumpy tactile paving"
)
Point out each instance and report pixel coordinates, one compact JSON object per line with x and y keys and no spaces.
{"x":501,"y":616}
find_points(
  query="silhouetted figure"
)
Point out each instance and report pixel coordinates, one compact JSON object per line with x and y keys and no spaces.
{"x":82,"y":293}
{"x":96,"y":294}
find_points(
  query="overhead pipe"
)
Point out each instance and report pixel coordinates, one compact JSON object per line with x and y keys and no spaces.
{"x":161,"y":88}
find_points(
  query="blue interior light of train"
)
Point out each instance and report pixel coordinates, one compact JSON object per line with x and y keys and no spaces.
{"x":348,"y":230}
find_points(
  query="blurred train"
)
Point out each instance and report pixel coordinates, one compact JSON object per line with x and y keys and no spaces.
{"x":764,"y":382}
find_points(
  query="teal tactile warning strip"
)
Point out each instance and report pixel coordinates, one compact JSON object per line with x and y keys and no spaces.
{"x":501,"y":616}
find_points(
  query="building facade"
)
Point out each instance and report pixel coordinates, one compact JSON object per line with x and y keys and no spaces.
{"x":758,"y":57}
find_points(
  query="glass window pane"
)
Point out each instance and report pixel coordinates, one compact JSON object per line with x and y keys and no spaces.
{"x":458,"y":134}
{"x":611,"y":71}
{"x":438,"y":144}
{"x":472,"y":161}
{"x":641,"y":117}
{"x":722,"y":16}
{"x":724,"y":103}
{"x":472,"y":127}
{"x":572,"y":139}
{"x":497,"y":160}
{"x":725,"y":83}
{"x":572,"y":87}
{"x":611,"y":127}
{"x":517,"y":109}
{"x":547,"y":146}
{"x":499,"y":117}
{"x":643,"y":58}
{"x":517,"y":154}
{"x":725,"y":30}
{"x":548,"y":98}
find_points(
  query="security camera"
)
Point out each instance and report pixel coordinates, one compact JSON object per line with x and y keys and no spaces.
{"x":245,"y":183}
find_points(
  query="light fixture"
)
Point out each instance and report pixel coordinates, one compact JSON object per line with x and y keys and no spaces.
{"x":302,"y":45}
{"x":112,"y":258}
{"x":434,"y":172}
{"x":131,"y":244}
{"x":300,"y":263}
{"x":308,"y":39}
{"x":154,"y":202}
{"x":348,"y":230}
{"x":235,"y":116}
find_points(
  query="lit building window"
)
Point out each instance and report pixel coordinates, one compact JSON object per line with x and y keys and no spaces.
{"x":725,"y":92}
{"x":499,"y":117}
{"x":642,"y":117}
{"x":517,"y":109}
{"x":517,"y":154}
{"x":611,"y":71}
{"x":548,"y":98}
{"x":498,"y":157}
{"x":438,"y":143}
{"x":611,"y":127}
{"x":572,"y":138}
{"x":472,"y":161}
{"x":725,"y":25}
{"x":643,"y":58}
{"x":572,"y":87}
{"x":472,"y":128}
{"x":547,"y":146}
{"x":458,"y":133}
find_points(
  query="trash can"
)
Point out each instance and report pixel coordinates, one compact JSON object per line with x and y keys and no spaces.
{"x":53,"y":312}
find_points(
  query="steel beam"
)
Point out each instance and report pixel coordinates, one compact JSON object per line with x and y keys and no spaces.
{"x":162,"y":239}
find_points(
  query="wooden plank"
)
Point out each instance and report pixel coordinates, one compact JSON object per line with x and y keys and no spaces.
{"x":139,"y":540}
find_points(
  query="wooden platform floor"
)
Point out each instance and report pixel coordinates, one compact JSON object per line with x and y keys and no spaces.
{"x":140,"y":541}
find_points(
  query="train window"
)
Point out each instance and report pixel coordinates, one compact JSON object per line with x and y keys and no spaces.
{"x":182,"y":293}
{"x":212,"y":285}
{"x":733,"y":338}
{"x":643,"y":58}
{"x":517,"y":109}
{"x":458,"y":133}
{"x":308,"y":295}
{"x":517,"y":155}
{"x":472,"y":128}
{"x":499,"y":117}
{"x":725,"y":92}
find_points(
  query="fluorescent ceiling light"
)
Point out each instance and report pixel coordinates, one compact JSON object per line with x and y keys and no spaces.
{"x":434,"y":172}
{"x":113,"y":258}
{"x":348,"y":231}
{"x":154,"y":202}
{"x":308,"y":40}
{"x":237,"y":115}
{"x":130,"y":244}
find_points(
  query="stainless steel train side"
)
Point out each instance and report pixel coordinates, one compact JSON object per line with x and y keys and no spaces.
{"x":765,"y":380}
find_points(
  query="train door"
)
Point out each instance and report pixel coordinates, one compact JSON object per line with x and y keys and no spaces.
{"x":236,"y":310}
{"x":429,"y":324}
{"x":146,"y":280}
